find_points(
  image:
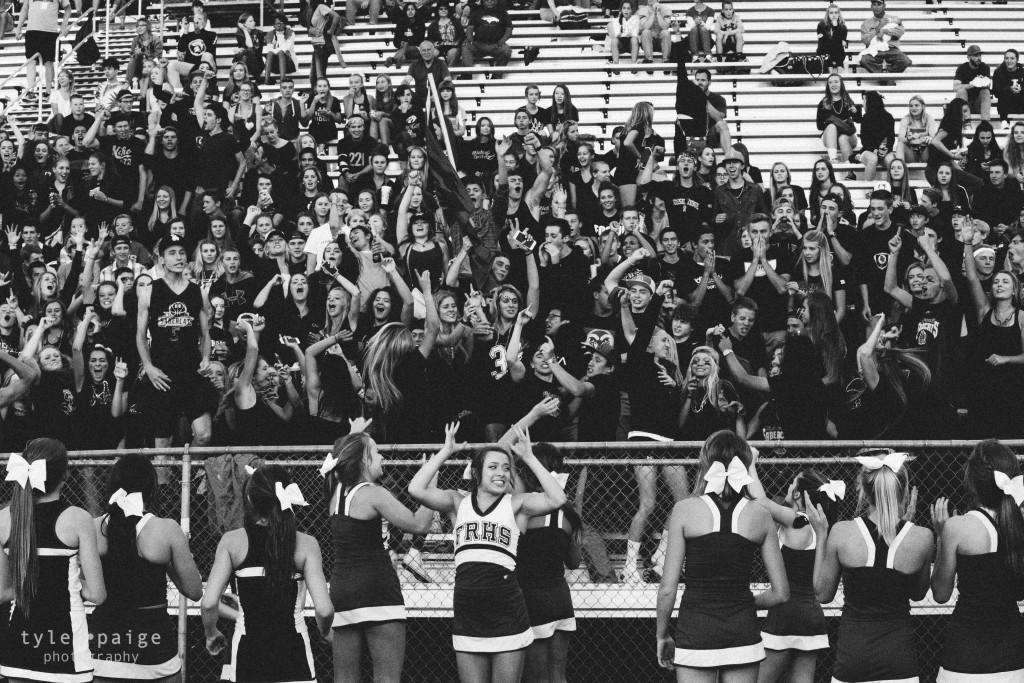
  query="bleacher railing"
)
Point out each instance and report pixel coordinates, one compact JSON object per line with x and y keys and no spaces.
{"x":615,"y":640}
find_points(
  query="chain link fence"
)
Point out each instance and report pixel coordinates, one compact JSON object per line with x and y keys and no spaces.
{"x":615,"y":620}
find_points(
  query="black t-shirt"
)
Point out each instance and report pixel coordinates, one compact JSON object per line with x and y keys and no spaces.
{"x":599,"y":414}
{"x":128,"y":155}
{"x":215,"y":160}
{"x":933,"y":327}
{"x":687,"y":207}
{"x":529,"y":393}
{"x":176,"y":173}
{"x":715,"y":308}
{"x":411,"y":420}
{"x":195,"y":43}
{"x":356,"y":154}
{"x":68,"y":125}
{"x":772,"y":305}
{"x":238,"y":296}
{"x":871,"y":259}
{"x":174,"y":327}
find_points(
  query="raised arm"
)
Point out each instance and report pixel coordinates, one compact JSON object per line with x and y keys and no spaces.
{"x":432,"y":323}
{"x":890,"y":287}
{"x":423,"y":486}
{"x":551,"y":497}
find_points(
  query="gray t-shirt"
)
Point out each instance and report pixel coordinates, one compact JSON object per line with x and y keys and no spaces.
{"x":44,"y":15}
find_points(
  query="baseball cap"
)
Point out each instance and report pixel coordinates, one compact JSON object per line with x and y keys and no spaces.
{"x":171,"y":241}
{"x":961,"y":210}
{"x":296,"y":235}
{"x":124,"y":93}
{"x":274,"y":234}
{"x":607,"y":350}
{"x":121,"y":239}
{"x":973,"y":50}
{"x":733,"y":155}
{"x":638,"y":277}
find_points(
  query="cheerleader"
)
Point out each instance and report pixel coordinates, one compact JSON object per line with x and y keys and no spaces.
{"x":491,"y":629}
{"x":718,"y":533}
{"x":884,"y":561}
{"x":984,"y":550}
{"x":551,"y":544}
{"x":272,"y":566}
{"x":134,"y":639}
{"x":795,"y":631}
{"x":51,"y":567}
{"x":365,"y":591}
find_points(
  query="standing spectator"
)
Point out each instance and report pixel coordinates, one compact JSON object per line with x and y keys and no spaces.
{"x":428,"y":64}
{"x":40,"y":19}
{"x":873,"y":253}
{"x":487,"y":35}
{"x":973,"y":82}
{"x":880,"y":34}
{"x":836,"y":117}
{"x":717,"y":127}
{"x":734,"y":203}
{"x":324,"y":23}
{"x":832,"y":33}
{"x":220,"y":164}
{"x":761,"y":273}
{"x":1008,"y":86}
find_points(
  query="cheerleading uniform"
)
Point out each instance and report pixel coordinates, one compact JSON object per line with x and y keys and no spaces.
{"x":717,"y":624}
{"x":133,"y":637}
{"x":364,"y":585}
{"x":271,"y":642}
{"x":542,"y":555}
{"x":490,"y":611}
{"x":799,"y":623}
{"x":876,"y":637}
{"x":984,"y":639}
{"x":56,"y":628}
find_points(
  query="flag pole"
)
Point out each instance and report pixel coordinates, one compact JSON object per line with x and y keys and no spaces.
{"x":436,"y":99}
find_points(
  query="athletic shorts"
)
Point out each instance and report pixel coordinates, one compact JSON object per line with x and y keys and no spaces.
{"x":43,"y":42}
{"x":191,"y":395}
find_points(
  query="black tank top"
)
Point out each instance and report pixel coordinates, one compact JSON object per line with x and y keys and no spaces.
{"x":174,"y":326}
{"x":992,"y":338}
{"x":148,"y":581}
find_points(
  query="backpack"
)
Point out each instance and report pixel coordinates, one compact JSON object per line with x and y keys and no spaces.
{"x":88,"y":52}
{"x":572,"y":19}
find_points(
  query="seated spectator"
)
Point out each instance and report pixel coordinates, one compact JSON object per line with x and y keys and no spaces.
{"x":1008,"y":86}
{"x":250,"y":39}
{"x":487,"y":35}
{"x":832,"y":42}
{"x":947,"y":146}
{"x":1014,"y":152}
{"x":881,"y":34}
{"x":982,"y":150}
{"x":353,"y":7}
{"x":656,"y":25}
{"x":280,"y":46}
{"x":699,"y":19}
{"x":194,"y":47}
{"x":878,"y":135}
{"x":145,"y":46}
{"x":446,"y":34}
{"x":624,"y":33}
{"x":728,"y":32}
{"x":836,"y":117}
{"x":999,"y":202}
{"x":973,"y":82}
{"x":917,"y":129}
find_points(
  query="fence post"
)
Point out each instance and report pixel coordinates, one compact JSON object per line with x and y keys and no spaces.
{"x":186,"y":512}
{"x":106,"y":38}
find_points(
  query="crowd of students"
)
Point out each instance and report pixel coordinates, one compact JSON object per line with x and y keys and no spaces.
{"x":514,"y":534}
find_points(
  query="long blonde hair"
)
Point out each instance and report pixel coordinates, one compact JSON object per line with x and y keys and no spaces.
{"x":384,"y":352}
{"x":885,"y":492}
{"x":713,"y":382}
{"x":642,"y":116}
{"x":824,"y":259}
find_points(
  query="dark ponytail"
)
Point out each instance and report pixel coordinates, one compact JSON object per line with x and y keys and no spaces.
{"x":809,"y":481}
{"x":135,"y":474}
{"x":988,"y":457}
{"x":261,"y":502}
{"x":22,"y":542}
{"x":351,"y":453}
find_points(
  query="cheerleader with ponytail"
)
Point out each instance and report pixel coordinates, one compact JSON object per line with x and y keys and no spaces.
{"x":272,"y":566}
{"x":134,"y":639}
{"x":884,"y":560}
{"x":983,"y":550}
{"x":795,"y":631}
{"x":50,"y":569}
{"x":365,"y":592}
{"x":718,"y":532}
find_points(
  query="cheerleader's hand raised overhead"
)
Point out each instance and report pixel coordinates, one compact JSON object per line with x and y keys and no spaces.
{"x":816,"y":515}
{"x":450,"y":430}
{"x":521,"y":446}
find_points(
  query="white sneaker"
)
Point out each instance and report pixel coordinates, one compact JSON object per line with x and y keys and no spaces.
{"x":413,"y":563}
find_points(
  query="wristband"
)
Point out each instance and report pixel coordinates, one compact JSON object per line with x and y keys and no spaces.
{"x":726,"y":353}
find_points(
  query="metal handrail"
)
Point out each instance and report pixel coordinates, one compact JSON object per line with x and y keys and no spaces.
{"x":17,"y":71}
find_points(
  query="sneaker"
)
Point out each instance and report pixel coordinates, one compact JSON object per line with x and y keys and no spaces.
{"x":530,"y":54}
{"x":850,"y":175}
{"x":413,"y":563}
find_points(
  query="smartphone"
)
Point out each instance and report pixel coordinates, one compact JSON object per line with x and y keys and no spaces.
{"x":329,"y":269}
{"x":288,"y":340}
{"x":247,"y":317}
{"x":525,"y":238}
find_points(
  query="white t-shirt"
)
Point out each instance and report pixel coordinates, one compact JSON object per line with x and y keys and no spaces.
{"x":319,"y":238}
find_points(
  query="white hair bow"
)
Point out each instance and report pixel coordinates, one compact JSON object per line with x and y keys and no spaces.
{"x":560,"y":477}
{"x":131,"y":503}
{"x":894,"y":461}
{"x":289,"y":495}
{"x":835,"y":489}
{"x":328,"y":465}
{"x":737,"y":476}
{"x":20,"y":470}
{"x":1011,"y":487}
